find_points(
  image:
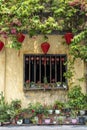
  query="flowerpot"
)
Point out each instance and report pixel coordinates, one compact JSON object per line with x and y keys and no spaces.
{"x":67,"y":120}
{"x":82,"y":112}
{"x":74,"y":121}
{"x":67,"y":110}
{"x":47,"y":121}
{"x":1,"y":45}
{"x":64,"y":86}
{"x":50,"y":111}
{"x":46,"y":86}
{"x":60,"y":119}
{"x":26,"y":120}
{"x":13,"y":121}
{"x":1,"y":123}
{"x":82,"y":120}
{"x":19,"y":121}
{"x":39,"y":121}
{"x":40,"y":117}
{"x":57,"y":111}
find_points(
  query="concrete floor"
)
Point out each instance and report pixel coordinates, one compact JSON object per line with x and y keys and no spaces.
{"x":51,"y":127}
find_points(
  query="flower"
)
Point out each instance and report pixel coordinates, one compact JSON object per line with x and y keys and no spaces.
{"x":37,"y":108}
{"x":33,"y":111}
{"x":13,"y":31}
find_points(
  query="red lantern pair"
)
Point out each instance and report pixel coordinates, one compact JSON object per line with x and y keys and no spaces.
{"x":20,"y":37}
{"x":45,"y":47}
{"x":1,"y":45}
{"x":68,"y":37}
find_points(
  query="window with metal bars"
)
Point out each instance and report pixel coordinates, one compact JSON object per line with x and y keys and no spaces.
{"x":36,"y":67}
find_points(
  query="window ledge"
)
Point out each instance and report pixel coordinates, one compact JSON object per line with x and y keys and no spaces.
{"x":44,"y":89}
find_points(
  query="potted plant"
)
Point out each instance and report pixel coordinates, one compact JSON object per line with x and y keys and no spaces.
{"x":77,"y":102}
{"x":38,"y":110}
{"x":19,"y":118}
{"x":74,"y":116}
{"x":27,"y":84}
{"x":46,"y":85}
{"x":58,"y":84}
{"x":58,"y":106}
{"x":60,"y":119}
{"x":76,"y":98}
{"x":15,"y":111}
{"x":32,"y":84}
{"x":4,"y":110}
{"x":64,"y":85}
{"x":27,"y":115}
{"x":47,"y":120}
{"x":50,"y":109}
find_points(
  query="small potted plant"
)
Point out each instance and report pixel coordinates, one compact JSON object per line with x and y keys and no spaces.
{"x":50,"y":109}
{"x":64,"y":85}
{"x":58,"y":106}
{"x":4,"y":111}
{"x":38,"y":110}
{"x":46,"y":85}
{"x":74,"y":116}
{"x":58,"y":84}
{"x":60,"y":119}
{"x":27,"y":84}
{"x":32,"y":84}
{"x":47,"y":120}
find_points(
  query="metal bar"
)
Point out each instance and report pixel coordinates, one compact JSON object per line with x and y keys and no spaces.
{"x":60,"y":70}
{"x":40,"y":68}
{"x":50,"y":69}
{"x":29,"y":69}
{"x":55,"y":70}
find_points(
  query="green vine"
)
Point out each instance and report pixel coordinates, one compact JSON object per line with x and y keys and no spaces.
{"x":42,"y":17}
{"x":78,"y":49}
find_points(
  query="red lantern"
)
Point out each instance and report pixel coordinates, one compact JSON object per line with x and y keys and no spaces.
{"x":68,"y":37}
{"x":20,"y":37}
{"x":45,"y":47}
{"x":1,"y":45}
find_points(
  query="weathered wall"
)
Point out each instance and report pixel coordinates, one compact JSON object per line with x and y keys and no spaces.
{"x":11,"y":70}
{"x":2,"y":69}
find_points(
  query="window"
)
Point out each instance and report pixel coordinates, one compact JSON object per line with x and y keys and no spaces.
{"x":36,"y":67}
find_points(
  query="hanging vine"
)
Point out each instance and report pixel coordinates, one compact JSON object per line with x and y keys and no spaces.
{"x":42,"y":17}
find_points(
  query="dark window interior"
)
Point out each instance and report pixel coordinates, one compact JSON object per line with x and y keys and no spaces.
{"x":36,"y":67}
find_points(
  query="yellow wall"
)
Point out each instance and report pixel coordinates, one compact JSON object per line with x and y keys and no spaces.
{"x":11,"y":70}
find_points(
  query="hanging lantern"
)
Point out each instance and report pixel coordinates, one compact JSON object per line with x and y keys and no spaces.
{"x":45,"y":47}
{"x":1,"y":45}
{"x":20,"y":37}
{"x":68,"y":37}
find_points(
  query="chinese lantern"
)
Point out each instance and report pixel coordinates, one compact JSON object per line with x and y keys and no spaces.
{"x":1,"y":45}
{"x":20,"y":37}
{"x":45,"y":47}
{"x":68,"y":37}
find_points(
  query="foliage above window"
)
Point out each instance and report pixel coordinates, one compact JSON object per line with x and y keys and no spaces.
{"x":43,"y":17}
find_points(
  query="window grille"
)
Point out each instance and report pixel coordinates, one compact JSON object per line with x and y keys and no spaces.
{"x":36,"y":67}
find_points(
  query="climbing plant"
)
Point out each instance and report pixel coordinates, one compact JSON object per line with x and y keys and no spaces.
{"x":43,"y":17}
